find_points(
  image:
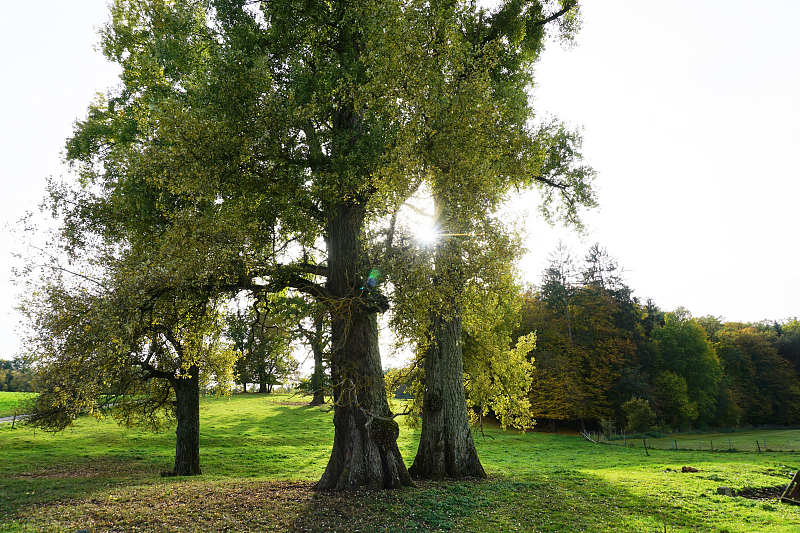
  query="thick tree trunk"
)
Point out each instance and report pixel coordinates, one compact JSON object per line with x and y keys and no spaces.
{"x":187,"y":413}
{"x":446,"y":448}
{"x":365,"y":452}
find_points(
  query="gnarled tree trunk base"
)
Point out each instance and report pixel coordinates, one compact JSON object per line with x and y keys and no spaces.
{"x":365,"y":454}
{"x":446,"y":448}
{"x":436,"y":461}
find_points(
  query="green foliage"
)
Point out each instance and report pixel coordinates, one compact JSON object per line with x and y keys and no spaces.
{"x":16,"y":376}
{"x":788,"y":342}
{"x":681,"y":347}
{"x":261,"y":335}
{"x":762,"y":384}
{"x":639,"y":416}
{"x":670,"y":395}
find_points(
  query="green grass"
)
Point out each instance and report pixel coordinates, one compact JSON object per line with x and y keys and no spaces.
{"x":260,"y":456}
{"x":11,"y":401}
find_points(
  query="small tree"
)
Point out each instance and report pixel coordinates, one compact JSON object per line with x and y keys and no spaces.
{"x":142,"y":355}
{"x":639,"y":415}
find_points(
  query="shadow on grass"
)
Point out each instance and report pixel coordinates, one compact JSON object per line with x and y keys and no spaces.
{"x":572,"y":501}
{"x":577,"y":502}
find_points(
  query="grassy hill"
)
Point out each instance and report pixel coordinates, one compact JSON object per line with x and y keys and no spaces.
{"x":260,"y":456}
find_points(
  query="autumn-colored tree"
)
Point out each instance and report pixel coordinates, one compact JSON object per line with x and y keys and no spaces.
{"x":762,"y":384}
{"x":584,"y":338}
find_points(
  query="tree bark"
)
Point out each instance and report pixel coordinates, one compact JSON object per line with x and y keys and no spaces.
{"x":446,"y":448}
{"x":318,"y":378}
{"x":365,"y":452}
{"x":187,"y":413}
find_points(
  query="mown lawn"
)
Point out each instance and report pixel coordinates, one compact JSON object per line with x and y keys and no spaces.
{"x":11,"y":401}
{"x":261,"y":455}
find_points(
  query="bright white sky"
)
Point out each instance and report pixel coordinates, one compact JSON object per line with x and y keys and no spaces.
{"x":690,"y":112}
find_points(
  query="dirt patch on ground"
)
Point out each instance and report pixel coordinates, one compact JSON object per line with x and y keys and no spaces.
{"x":761,"y":493}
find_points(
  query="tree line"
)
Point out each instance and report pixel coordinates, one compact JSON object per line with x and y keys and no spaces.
{"x":16,"y":375}
{"x":605,"y":358}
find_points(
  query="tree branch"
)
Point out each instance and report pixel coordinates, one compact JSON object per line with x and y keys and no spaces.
{"x":558,"y":14}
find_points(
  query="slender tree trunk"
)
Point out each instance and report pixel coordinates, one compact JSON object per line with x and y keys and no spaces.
{"x":446,"y":448}
{"x":365,"y":452}
{"x":187,"y":413}
{"x":318,"y":378}
{"x":262,"y":380}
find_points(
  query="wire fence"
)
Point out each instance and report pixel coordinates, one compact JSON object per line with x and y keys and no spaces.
{"x":790,"y":442}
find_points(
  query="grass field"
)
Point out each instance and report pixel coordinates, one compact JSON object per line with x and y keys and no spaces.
{"x":9,"y":401}
{"x":261,"y":455}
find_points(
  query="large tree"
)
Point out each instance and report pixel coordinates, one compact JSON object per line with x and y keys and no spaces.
{"x":282,"y":120}
{"x":275,"y":126}
{"x":474,"y":142}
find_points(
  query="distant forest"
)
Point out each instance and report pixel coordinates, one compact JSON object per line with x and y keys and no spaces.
{"x":15,"y":376}
{"x":605,"y":358}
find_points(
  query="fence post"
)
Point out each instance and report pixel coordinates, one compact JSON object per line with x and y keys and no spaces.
{"x":730,"y":447}
{"x":644,"y":443}
{"x":712,"y":445}
{"x":674,"y":441}
{"x":759,"y":447}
